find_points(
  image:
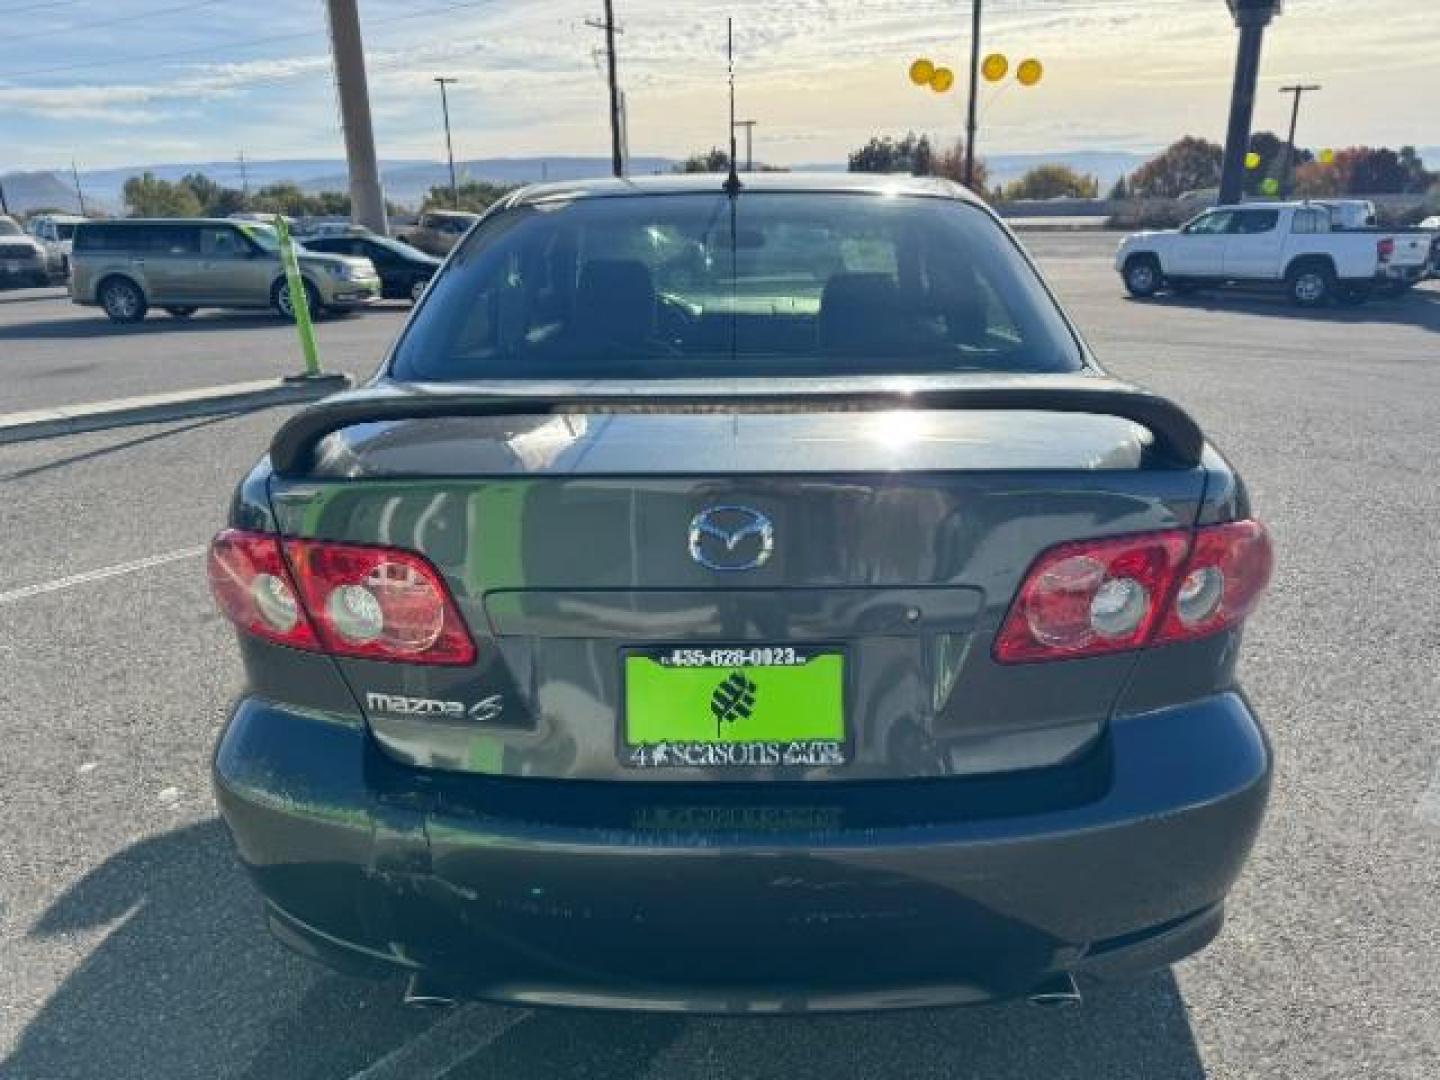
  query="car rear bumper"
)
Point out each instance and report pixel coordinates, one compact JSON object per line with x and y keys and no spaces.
{"x":1389,"y":272}
{"x":23,"y":274}
{"x":742,"y":900}
{"x":351,"y":294}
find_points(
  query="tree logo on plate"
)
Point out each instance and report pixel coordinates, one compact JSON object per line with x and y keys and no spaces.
{"x":733,"y":699}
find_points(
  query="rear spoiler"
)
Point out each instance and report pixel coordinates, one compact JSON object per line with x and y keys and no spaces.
{"x":1177,"y":437}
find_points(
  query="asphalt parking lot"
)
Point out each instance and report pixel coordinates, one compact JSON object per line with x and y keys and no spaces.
{"x":131,"y":946}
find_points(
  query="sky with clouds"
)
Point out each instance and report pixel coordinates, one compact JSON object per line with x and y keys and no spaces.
{"x":121,"y":82}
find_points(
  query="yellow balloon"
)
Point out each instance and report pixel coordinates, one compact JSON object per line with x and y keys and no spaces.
{"x":1327,"y":157}
{"x":921,"y":72}
{"x":1029,"y":72}
{"x":995,"y":67}
{"x":942,"y":80}
{"x":1252,"y":160}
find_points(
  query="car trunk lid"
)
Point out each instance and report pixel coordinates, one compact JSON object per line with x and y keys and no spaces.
{"x":897,"y":538}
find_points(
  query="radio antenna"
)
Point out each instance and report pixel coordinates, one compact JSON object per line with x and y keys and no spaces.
{"x":732,"y":182}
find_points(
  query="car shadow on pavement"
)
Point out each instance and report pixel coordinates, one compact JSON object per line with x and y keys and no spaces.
{"x":186,"y":982}
{"x":29,"y":296}
{"x":157,"y":323}
{"x":1420,"y":307}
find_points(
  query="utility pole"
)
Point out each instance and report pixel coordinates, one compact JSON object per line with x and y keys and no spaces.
{"x":970,"y":122}
{"x":445,"y":81}
{"x":617,"y":153}
{"x":367,"y":201}
{"x":1251,"y":18}
{"x":244,"y":180}
{"x":79,"y":191}
{"x":749,"y":126}
{"x":1287,"y":174}
{"x":624,"y":132}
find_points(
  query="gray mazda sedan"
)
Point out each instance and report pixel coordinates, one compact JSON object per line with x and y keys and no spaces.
{"x":742,"y":595}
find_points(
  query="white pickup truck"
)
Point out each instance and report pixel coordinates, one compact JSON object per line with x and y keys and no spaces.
{"x":57,"y":233}
{"x":1301,"y":245}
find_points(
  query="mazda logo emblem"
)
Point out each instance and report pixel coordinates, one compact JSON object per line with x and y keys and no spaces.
{"x":729,"y":538}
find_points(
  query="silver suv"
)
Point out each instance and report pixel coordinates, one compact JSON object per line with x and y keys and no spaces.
{"x":24,"y":261}
{"x":181,"y":265}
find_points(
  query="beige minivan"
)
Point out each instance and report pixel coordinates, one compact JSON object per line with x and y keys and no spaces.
{"x":128,"y":266}
{"x":438,"y":231}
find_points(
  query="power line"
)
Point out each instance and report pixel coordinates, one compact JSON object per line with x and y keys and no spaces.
{"x":114,"y":61}
{"x":38,"y":7}
{"x":151,"y":13}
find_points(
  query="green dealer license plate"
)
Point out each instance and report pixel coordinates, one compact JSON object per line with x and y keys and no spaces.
{"x":734,"y":706}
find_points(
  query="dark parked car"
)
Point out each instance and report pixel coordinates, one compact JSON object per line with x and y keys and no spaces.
{"x":738,"y":599}
{"x":404,"y":271}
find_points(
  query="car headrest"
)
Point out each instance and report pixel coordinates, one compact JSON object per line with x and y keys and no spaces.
{"x":615,"y":300}
{"x":857,"y":310}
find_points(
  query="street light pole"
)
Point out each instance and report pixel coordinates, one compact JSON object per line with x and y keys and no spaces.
{"x":445,"y":81}
{"x":975,"y":6}
{"x":1287,"y":174}
{"x":749,"y":126}
{"x":1251,"y":17}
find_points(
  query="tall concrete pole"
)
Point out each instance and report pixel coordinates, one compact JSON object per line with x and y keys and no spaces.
{"x":367,"y":201}
{"x":970,"y":120}
{"x":1251,"y":17}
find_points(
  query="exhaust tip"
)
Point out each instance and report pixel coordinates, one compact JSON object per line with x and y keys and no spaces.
{"x":1058,"y":991}
{"x":423,"y":992}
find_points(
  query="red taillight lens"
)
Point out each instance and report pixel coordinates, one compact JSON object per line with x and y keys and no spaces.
{"x":1228,"y":569}
{"x":254,"y":588}
{"x":1091,"y":597}
{"x":1103,"y":596}
{"x":1385,"y":248}
{"x":379,"y":603}
{"x":348,"y":599}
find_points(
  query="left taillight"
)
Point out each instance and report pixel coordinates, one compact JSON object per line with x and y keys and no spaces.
{"x":255,"y":590}
{"x":1094,"y":597}
{"x":346,"y":599}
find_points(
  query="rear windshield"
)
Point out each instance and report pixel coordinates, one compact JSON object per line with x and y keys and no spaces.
{"x":766,"y":284}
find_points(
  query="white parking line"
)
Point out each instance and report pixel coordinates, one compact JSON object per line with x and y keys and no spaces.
{"x":99,"y":575}
{"x":433,"y":1053}
{"x":1429,"y":809}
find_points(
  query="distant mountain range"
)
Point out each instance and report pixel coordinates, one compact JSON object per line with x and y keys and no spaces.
{"x":407,"y":181}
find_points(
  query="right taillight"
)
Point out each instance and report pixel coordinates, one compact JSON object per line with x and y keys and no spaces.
{"x":1385,"y":248}
{"x":347,"y":599}
{"x":1094,"y":597}
{"x":1228,"y":568}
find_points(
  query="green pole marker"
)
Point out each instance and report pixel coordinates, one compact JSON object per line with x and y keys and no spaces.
{"x":299,"y":300}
